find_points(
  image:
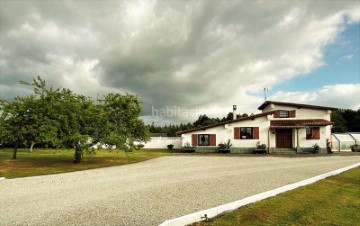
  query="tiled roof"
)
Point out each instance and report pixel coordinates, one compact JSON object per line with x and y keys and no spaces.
{"x":266,"y":103}
{"x":298,"y":123}
{"x":251,"y":117}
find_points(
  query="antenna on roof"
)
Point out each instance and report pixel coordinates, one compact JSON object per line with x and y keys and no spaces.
{"x":265,"y":90}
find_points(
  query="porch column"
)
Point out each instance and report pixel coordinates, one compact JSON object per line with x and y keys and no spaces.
{"x":297,"y":141}
{"x":268,"y":142}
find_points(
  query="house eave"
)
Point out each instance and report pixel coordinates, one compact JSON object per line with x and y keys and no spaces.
{"x":266,"y":103}
{"x":251,"y":117}
{"x":298,"y":123}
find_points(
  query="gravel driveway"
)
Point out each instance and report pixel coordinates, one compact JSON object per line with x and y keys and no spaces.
{"x":151,"y":192}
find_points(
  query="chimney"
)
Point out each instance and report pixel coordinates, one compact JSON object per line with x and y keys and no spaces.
{"x":234,"y":112}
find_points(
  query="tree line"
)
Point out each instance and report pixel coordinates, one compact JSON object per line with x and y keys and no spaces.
{"x":203,"y":120}
{"x":62,"y":118}
{"x":345,"y":120}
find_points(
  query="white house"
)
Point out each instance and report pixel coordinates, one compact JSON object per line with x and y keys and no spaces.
{"x":283,"y":127}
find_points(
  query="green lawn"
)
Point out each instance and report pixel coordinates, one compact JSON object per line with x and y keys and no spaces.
{"x":47,"y":161}
{"x":333,"y":201}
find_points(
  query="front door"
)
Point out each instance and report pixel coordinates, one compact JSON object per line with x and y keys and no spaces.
{"x":284,"y":138}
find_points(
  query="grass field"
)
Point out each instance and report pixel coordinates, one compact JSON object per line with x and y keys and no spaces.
{"x":47,"y":161}
{"x":333,"y":201}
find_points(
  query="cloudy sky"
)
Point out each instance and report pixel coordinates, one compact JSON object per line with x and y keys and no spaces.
{"x":185,"y":58}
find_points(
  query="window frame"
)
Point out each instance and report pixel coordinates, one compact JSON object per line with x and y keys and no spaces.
{"x":284,"y":114}
{"x":310,"y":134}
{"x":201,"y":143}
{"x":248,"y":136}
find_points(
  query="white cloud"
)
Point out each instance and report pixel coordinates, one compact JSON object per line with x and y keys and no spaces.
{"x":339,"y":96}
{"x":192,"y":53}
{"x":347,"y":57}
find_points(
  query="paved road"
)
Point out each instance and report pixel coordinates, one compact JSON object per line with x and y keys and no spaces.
{"x":150,"y":192}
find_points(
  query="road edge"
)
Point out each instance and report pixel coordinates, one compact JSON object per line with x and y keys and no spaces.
{"x":213,"y":212}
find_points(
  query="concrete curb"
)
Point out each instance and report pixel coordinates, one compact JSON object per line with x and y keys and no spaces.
{"x":210,"y":213}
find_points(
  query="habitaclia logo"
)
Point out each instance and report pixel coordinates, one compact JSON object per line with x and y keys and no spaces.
{"x":175,"y":111}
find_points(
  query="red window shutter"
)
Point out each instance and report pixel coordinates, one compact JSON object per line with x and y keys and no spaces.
{"x":292,"y":114}
{"x":212,"y":139}
{"x":256,"y":133}
{"x":194,"y":139}
{"x":277,"y":114}
{"x":315,"y":133}
{"x":237,"y":133}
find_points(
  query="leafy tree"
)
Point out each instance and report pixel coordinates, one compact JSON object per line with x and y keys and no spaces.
{"x":170,"y":130}
{"x":13,"y":124}
{"x":230,"y":117}
{"x":67,"y":119}
{"x":123,"y":125}
{"x":204,"y":120}
{"x":244,"y":115}
{"x":346,"y":120}
{"x":352,"y":118}
{"x":340,"y":124}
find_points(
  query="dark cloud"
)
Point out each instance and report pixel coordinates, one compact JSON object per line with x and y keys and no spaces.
{"x":210,"y":54}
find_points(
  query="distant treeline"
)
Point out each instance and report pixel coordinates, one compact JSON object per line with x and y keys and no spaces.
{"x":345,"y":120}
{"x":203,"y":120}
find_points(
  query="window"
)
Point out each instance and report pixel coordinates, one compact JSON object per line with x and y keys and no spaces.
{"x":203,"y":140}
{"x":284,"y":114}
{"x":246,"y":133}
{"x":312,"y":133}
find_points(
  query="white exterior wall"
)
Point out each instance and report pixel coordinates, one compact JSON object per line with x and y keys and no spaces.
{"x":304,"y":113}
{"x":163,"y":142}
{"x":301,"y":113}
{"x":226,"y":132}
{"x":262,"y":122}
{"x":325,"y":133}
{"x":222,"y":134}
{"x":269,"y":107}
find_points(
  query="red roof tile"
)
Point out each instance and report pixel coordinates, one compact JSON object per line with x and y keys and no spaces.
{"x":298,"y":123}
{"x":251,"y":117}
{"x":266,"y":103}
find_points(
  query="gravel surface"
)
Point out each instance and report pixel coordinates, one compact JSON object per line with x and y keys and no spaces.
{"x":151,"y":192}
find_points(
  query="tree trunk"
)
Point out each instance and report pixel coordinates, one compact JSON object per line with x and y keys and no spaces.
{"x":15,"y":151}
{"x":78,"y":155}
{"x":31,"y":146}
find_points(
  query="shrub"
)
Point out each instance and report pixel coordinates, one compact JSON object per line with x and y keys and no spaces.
{"x":316,"y":148}
{"x":170,"y":146}
{"x":260,"y":146}
{"x":355,"y":147}
{"x":226,"y":145}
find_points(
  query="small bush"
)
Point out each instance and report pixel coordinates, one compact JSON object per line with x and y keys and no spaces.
{"x":226,"y":145}
{"x":187,"y":145}
{"x":170,"y":146}
{"x":260,"y":146}
{"x":355,"y":148}
{"x":316,"y":148}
